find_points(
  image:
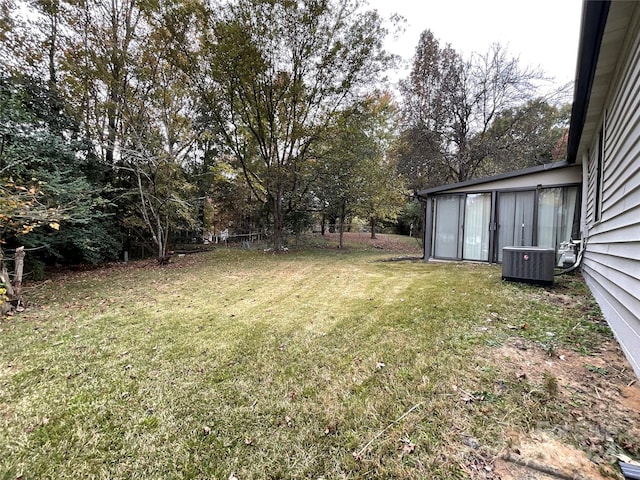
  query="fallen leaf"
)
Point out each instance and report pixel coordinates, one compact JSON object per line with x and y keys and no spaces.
{"x":408,"y":448}
{"x":248,"y":441}
{"x":206,"y":430}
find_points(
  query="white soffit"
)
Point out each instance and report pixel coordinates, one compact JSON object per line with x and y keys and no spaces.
{"x":615,"y":32}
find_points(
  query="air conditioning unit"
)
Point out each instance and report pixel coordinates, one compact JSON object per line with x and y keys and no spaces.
{"x":528,"y":264}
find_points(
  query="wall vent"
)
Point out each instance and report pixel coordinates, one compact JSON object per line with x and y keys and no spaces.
{"x":528,"y":264}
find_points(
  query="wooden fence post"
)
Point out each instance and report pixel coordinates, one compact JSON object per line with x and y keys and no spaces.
{"x":19,"y":267}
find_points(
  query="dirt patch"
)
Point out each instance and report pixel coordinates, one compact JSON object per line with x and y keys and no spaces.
{"x":541,"y":456}
{"x":631,"y":398}
{"x":602,"y":403}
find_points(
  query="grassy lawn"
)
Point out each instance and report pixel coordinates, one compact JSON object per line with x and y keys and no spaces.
{"x":312,"y":364}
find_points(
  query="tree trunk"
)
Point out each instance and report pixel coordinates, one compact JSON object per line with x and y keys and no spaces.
{"x":52,"y":11}
{"x":373,"y":227}
{"x":342,"y":217}
{"x":277,"y":220}
{"x":323,"y":224}
{"x":111,"y":136}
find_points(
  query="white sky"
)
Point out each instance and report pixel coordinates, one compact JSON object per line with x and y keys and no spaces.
{"x":542,"y":33}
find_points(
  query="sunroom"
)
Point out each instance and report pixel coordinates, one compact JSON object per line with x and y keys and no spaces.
{"x":475,"y":220}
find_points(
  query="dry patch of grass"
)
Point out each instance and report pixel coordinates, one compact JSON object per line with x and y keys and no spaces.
{"x":317,"y":363}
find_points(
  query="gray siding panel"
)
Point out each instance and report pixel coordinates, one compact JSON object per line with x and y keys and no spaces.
{"x":616,"y":263}
{"x":617,"y":315}
{"x":623,"y":250}
{"x":601,"y":234}
{"x":591,"y":186}
{"x":612,"y":259}
{"x":628,"y":218}
{"x":618,"y":282}
{"x":628,"y":176}
{"x":627,"y":196}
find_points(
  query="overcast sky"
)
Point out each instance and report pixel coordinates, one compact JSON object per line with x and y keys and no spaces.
{"x":541,"y":33}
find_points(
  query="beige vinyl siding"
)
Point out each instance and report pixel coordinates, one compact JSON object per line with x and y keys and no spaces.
{"x":559,"y":176}
{"x":612,"y":259}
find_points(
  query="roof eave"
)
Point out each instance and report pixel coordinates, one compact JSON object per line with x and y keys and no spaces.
{"x":594,"y":19}
{"x":517,"y":173}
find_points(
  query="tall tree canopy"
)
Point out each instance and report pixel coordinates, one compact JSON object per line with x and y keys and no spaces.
{"x":163,"y":96}
{"x":465,"y":118}
{"x":276,"y":74}
{"x":355,"y":178}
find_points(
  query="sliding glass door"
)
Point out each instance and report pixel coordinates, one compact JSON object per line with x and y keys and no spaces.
{"x":461,"y":226}
{"x":449,"y":211}
{"x":470,"y":226}
{"x":476,"y":226}
{"x":515,"y":220}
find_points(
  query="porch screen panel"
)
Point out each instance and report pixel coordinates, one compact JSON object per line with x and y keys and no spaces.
{"x":476,"y":226}
{"x":446,"y":226}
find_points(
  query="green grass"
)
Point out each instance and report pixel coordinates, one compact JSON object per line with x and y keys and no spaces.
{"x":266,"y":366}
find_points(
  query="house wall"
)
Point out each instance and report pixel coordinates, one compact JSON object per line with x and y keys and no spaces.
{"x":558,"y":176}
{"x":611,"y":263}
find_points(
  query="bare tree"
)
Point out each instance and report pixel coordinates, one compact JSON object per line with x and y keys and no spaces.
{"x":159,"y":138}
{"x":450,"y":106}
